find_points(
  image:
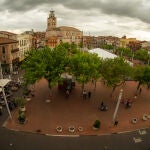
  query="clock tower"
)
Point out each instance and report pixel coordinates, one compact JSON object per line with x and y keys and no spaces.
{"x":51,"y":21}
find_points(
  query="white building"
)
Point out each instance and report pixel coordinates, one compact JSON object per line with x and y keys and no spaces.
{"x":25,"y":44}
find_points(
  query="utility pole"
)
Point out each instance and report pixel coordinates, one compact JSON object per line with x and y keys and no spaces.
{"x":117,"y":106}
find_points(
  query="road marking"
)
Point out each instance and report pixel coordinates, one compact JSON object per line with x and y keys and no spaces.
{"x":142,"y":132}
{"x":137,"y":140}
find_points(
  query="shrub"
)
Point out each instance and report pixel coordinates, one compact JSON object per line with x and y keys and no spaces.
{"x":97,"y":124}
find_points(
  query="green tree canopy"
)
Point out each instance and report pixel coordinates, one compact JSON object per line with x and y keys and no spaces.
{"x":47,"y":63}
{"x":142,"y":55}
{"x":142,"y":75}
{"x":85,"y":67}
{"x":115,"y":71}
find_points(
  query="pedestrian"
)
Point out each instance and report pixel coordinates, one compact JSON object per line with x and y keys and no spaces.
{"x":67,"y":93}
{"x":89,"y":94}
{"x":148,"y":85}
{"x":102,"y":103}
{"x":115,"y":123}
{"x":84,"y":94}
{"x":140,"y":90}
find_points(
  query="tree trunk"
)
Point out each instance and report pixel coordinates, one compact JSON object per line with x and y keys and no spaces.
{"x":139,"y":84}
{"x":82,"y":86}
{"x":138,"y":87}
{"x":95,"y":85}
{"x":114,"y":87}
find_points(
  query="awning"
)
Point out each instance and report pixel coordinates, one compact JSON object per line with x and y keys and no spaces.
{"x":4,"y":82}
{"x":66,"y":76}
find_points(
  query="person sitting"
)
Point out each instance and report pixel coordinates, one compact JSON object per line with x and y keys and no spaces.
{"x":128,"y":104}
{"x":103,"y":107}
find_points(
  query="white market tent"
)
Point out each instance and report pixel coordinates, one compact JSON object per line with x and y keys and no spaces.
{"x":4,"y":82}
{"x":102,"y":53}
{"x":105,"y":54}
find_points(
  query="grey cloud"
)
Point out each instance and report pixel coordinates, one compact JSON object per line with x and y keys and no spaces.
{"x":132,"y":8}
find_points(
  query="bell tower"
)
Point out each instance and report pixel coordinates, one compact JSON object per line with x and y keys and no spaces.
{"x":51,"y":21}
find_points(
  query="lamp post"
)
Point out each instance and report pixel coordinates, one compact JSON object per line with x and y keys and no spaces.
{"x":3,"y":82}
{"x":6,"y":102}
{"x":117,"y":106}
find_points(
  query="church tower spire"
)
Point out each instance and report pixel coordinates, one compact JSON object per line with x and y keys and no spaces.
{"x":51,"y":21}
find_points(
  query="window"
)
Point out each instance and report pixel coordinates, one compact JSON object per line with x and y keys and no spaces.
{"x":3,"y":50}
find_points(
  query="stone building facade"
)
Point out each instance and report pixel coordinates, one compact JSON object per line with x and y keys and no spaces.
{"x":9,"y":51}
{"x":55,"y":35}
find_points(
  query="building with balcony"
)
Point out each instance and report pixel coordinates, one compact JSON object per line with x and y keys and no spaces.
{"x":9,"y":54}
{"x":26,"y":42}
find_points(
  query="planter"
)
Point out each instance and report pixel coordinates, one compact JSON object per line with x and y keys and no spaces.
{"x":134,"y":120}
{"x":22,"y":118}
{"x":71,"y":129}
{"x":96,"y":124}
{"x":59,"y":129}
{"x":22,"y":109}
{"x":80,"y":129}
{"x":94,"y":128}
{"x":145,"y":117}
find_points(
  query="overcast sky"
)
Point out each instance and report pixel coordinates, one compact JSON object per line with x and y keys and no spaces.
{"x":94,"y":17}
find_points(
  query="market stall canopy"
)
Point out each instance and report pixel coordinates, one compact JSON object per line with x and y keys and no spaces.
{"x":4,"y":82}
{"x":102,"y":53}
{"x":105,"y":54}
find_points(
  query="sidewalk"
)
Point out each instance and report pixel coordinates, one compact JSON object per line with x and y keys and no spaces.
{"x":44,"y":117}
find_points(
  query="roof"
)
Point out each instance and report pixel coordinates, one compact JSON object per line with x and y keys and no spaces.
{"x":65,"y":28}
{"x":105,"y":54}
{"x":8,"y":33}
{"x":4,"y":40}
{"x":102,"y":53}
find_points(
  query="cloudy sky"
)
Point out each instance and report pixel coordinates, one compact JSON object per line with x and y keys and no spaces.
{"x":94,"y":17}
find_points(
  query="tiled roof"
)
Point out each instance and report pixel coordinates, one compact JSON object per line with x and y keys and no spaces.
{"x":6,"y":41}
{"x":65,"y":28}
{"x":8,"y":33}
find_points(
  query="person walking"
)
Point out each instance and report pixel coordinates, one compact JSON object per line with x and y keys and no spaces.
{"x":140,"y":90}
{"x":89,"y":94}
{"x":84,"y":94}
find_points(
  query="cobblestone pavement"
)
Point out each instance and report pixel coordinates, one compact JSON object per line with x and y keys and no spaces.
{"x":45,"y":113}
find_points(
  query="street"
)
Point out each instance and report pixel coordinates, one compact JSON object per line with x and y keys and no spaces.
{"x":15,"y":140}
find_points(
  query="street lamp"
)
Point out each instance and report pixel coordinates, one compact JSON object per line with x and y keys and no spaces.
{"x":117,"y":106}
{"x":3,"y":82}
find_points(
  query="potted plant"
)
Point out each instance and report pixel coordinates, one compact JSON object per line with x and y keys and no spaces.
{"x":20,"y":102}
{"x":96,"y":124}
{"x":22,"y":117}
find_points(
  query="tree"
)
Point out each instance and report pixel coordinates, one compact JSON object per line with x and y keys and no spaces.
{"x":142,"y":75}
{"x":115,"y":72}
{"x":124,"y":51}
{"x":142,"y":55}
{"x":96,"y":63}
{"x":47,"y":63}
{"x":84,"y":66}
